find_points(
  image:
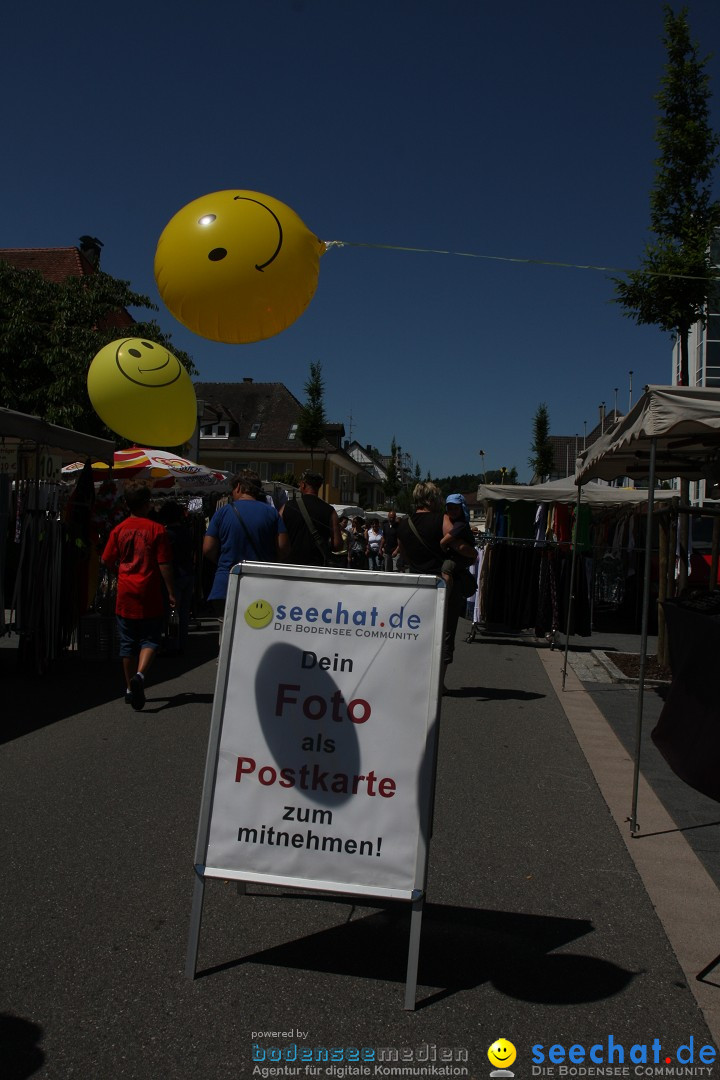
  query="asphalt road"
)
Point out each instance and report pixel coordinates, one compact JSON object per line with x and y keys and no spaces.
{"x":537,"y":928}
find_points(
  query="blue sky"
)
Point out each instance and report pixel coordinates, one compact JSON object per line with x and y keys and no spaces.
{"x":514,"y":130}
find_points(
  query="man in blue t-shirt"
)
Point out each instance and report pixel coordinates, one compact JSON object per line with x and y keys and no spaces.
{"x":246,"y":528}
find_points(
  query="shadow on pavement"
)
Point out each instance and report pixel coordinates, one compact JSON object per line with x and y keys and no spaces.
{"x":490,"y":693}
{"x":492,"y":638}
{"x":72,"y":685}
{"x":21,"y":1055}
{"x":155,"y":704}
{"x":460,"y":948}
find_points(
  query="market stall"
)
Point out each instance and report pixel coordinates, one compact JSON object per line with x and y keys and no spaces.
{"x":528,"y":571}
{"x":41,"y":561}
{"x":673,"y":431}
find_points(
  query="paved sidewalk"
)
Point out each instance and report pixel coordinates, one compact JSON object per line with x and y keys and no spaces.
{"x":538,"y":926}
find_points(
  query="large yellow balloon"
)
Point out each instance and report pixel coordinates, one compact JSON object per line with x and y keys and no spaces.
{"x":142,"y":392}
{"x":237,"y":266}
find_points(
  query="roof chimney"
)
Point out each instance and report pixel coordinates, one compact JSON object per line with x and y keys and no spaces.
{"x":90,"y":247}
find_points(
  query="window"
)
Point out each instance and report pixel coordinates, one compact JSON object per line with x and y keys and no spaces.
{"x":254,"y":431}
{"x":292,"y":433}
{"x":712,"y":363}
{"x":215,"y":431}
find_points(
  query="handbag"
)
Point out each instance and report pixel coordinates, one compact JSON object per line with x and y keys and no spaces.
{"x":465,"y":581}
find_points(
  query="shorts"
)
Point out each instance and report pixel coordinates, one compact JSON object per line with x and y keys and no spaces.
{"x":137,"y":634}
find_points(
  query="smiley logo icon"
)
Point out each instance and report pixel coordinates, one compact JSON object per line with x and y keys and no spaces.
{"x":501,"y":1054}
{"x":258,"y":614}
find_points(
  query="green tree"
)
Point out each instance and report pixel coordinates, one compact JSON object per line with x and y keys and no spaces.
{"x":502,"y":476}
{"x":465,"y":482}
{"x":670,"y":290}
{"x":541,"y":460}
{"x":49,"y":334}
{"x":312,"y":420}
{"x":288,"y":478}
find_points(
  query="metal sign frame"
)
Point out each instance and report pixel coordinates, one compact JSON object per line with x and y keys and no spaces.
{"x":253,"y":647}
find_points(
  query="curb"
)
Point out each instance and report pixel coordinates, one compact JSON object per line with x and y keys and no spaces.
{"x":618,"y":676}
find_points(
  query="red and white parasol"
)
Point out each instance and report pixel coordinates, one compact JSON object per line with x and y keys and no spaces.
{"x":161,"y":467}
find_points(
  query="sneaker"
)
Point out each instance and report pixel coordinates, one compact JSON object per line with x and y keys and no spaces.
{"x":137,"y":692}
{"x":128,"y":697}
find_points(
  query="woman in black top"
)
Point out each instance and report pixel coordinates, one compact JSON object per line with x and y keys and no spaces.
{"x":420,"y":538}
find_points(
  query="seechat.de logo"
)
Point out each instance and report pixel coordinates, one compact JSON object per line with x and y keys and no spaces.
{"x":259,"y":614}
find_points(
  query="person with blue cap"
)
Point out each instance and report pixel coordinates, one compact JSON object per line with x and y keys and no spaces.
{"x":428,"y":547}
{"x":459,"y":543}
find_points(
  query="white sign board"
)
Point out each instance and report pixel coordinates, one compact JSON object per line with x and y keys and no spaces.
{"x":321,"y":761}
{"x":40,"y":466}
{"x":8,"y":460}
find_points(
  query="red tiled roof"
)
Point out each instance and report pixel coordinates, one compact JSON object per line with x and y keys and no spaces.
{"x":55,"y":264}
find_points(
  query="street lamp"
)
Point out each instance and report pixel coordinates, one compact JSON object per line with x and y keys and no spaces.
{"x":482,"y":463}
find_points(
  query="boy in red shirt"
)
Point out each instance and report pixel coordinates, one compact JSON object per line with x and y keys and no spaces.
{"x":139,"y":549}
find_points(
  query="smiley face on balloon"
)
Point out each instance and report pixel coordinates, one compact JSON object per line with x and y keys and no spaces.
{"x":147,"y":364}
{"x":142,"y":392}
{"x":237,"y":266}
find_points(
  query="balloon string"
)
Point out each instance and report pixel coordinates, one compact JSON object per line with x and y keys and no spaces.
{"x":509,"y":259}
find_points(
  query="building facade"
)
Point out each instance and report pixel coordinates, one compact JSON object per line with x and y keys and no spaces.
{"x":704,"y":340}
{"x":254,"y":425}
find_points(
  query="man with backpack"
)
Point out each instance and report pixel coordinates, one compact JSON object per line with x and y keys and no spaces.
{"x":312,"y":524}
{"x":246,"y":528}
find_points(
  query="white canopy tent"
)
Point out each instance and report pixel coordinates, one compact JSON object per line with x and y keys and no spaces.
{"x":679,"y":426}
{"x":672,"y":431}
{"x":602,"y":496}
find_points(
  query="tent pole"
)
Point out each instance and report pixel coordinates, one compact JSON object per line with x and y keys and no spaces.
{"x":572,"y":586}
{"x":643,"y":637}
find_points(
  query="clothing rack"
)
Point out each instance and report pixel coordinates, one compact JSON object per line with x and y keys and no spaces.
{"x":524,"y":583}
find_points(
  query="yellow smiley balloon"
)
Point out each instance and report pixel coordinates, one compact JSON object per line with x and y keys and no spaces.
{"x":142,"y":392}
{"x":237,"y":266}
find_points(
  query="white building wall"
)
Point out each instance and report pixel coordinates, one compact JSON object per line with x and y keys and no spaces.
{"x":703,"y":350}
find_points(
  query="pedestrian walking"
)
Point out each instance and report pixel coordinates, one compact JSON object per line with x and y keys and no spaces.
{"x":173,"y":517}
{"x":390,"y":550}
{"x":246,"y":529}
{"x":312,"y":524}
{"x":420,"y":538}
{"x":140,"y":552}
{"x":373,"y":540}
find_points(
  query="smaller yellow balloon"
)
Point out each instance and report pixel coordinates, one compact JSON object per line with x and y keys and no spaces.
{"x":142,"y":392}
{"x":237,"y":266}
